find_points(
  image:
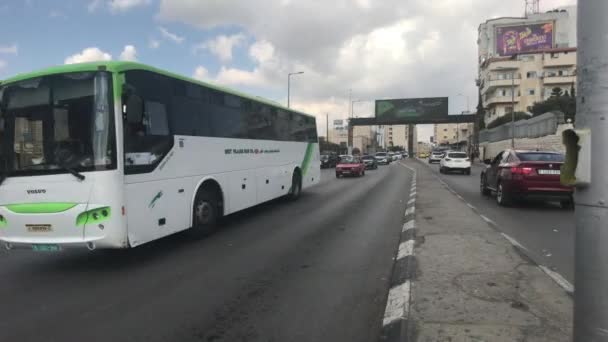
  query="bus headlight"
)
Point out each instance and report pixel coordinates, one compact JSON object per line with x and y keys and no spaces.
{"x":93,"y":216}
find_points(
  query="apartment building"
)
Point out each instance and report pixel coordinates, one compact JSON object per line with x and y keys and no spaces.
{"x":521,"y":60}
{"x":397,"y":135}
{"x":449,"y":134}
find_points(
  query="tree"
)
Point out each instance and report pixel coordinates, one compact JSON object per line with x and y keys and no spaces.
{"x":356,"y":151}
{"x":558,"y":101}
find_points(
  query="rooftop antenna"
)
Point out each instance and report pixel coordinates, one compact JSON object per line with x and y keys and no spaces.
{"x":532,"y":7}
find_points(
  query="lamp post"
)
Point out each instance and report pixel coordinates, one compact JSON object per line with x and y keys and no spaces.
{"x":289,"y":84}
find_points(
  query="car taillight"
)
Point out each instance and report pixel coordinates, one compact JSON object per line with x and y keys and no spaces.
{"x":526,"y":171}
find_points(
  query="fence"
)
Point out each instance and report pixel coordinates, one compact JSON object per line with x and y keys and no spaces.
{"x":539,"y":126}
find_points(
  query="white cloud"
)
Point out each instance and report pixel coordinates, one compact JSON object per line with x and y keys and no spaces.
{"x":170,"y":36}
{"x":201,"y":73}
{"x":222,"y":46}
{"x":91,"y":54}
{"x":125,"y":5}
{"x":9,"y":49}
{"x":3,"y":64}
{"x":234,"y":77}
{"x":380,"y":49}
{"x":153,"y":43}
{"x":57,"y":14}
{"x":94,"y":5}
{"x":129,"y":53}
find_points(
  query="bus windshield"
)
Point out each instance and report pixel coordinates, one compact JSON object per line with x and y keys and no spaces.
{"x":57,"y":124}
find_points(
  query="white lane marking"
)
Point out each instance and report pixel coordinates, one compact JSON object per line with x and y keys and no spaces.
{"x":459,"y":197}
{"x":513,"y":241}
{"x":405,"y":249}
{"x":407,"y":167}
{"x":413,"y":194}
{"x":471,"y":206}
{"x":410,"y":211}
{"x":561,"y":281}
{"x":487,"y":219}
{"x":398,"y":303}
{"x":411,"y":224}
{"x":413,"y":188}
{"x":411,"y":201}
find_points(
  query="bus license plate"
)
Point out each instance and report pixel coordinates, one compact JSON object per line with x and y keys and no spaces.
{"x":39,"y":228}
{"x":46,"y":248}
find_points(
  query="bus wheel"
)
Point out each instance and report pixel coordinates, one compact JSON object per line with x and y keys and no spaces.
{"x":205,"y":213}
{"x":296,"y":186}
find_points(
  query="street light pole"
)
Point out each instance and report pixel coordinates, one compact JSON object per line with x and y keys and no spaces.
{"x":289,"y":84}
{"x":591,"y":233}
{"x":513,"y":110}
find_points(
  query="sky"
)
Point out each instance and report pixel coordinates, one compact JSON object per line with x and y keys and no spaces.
{"x":370,"y":49}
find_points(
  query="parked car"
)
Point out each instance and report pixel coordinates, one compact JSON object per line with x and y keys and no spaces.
{"x":455,"y":161}
{"x":391,"y":156}
{"x":350,"y":166}
{"x":370,"y":162}
{"x":329,"y":161}
{"x":404,"y":155}
{"x":515,"y":175}
{"x":423,"y":155}
{"x":436,"y":156}
{"x":382,"y":158}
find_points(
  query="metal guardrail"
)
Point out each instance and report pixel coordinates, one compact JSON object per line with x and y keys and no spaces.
{"x":535,"y":127}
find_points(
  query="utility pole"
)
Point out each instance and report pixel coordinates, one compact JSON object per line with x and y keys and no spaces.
{"x":513,"y":110}
{"x":327,"y":128}
{"x":591,"y":253}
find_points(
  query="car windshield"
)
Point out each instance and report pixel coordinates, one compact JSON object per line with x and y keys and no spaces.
{"x":381,"y":154}
{"x":347,"y":160}
{"x":324,"y":157}
{"x":457,"y":155}
{"x":540,"y":157}
{"x":58,"y":122}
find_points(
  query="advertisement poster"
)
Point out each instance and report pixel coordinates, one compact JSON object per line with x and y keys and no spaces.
{"x":523,"y":38}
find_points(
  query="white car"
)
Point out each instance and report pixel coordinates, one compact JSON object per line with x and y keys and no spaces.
{"x":436,"y":156}
{"x":455,"y":161}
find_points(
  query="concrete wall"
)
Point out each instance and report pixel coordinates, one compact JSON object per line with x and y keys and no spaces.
{"x":552,"y":142}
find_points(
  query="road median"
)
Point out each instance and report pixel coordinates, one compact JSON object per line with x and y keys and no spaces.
{"x":471,"y":283}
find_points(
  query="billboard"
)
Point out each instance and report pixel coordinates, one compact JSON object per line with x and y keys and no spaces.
{"x":523,"y":38}
{"x":412,"y":110}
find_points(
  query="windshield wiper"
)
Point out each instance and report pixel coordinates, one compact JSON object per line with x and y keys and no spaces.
{"x":62,"y":166}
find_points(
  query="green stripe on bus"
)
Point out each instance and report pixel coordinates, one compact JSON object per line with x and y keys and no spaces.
{"x":307,"y":157}
{"x":40,"y":208}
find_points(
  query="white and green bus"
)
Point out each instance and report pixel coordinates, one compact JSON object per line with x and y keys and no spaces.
{"x":117,"y":154}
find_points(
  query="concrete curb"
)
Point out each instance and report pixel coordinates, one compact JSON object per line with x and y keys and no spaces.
{"x":556,"y":277}
{"x":395,"y":323}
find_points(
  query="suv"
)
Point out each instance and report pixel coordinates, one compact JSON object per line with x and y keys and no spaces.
{"x":436,"y":156}
{"x":370,"y":162}
{"x":455,"y":161}
{"x":382,"y":158}
{"x":515,"y":174}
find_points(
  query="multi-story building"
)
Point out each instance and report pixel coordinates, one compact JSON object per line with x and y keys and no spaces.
{"x":363,"y":138}
{"x":449,"y":134}
{"x":397,"y":135}
{"x":521,"y":60}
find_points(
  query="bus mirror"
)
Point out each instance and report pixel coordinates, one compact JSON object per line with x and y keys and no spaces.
{"x":135,"y":109}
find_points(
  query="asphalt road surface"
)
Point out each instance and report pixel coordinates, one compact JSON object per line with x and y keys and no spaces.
{"x":312,"y":270}
{"x":546,"y":230}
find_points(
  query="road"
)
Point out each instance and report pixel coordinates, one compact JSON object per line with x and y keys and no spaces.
{"x":312,"y":270}
{"x":546,"y":230}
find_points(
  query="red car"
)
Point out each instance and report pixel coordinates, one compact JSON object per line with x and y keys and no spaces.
{"x":514,"y":175}
{"x":350,"y":166}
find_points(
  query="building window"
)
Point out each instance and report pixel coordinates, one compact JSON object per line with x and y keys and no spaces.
{"x":531,"y":74}
{"x":555,"y":54}
{"x":445,"y":129}
{"x":562,"y":72}
{"x":508,"y":109}
{"x":531,"y":91}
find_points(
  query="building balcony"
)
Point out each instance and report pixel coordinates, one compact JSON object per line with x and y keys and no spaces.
{"x":504,"y":65}
{"x":562,"y":61}
{"x":500,"y":100}
{"x":559,"y":79}
{"x":493,"y":83}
